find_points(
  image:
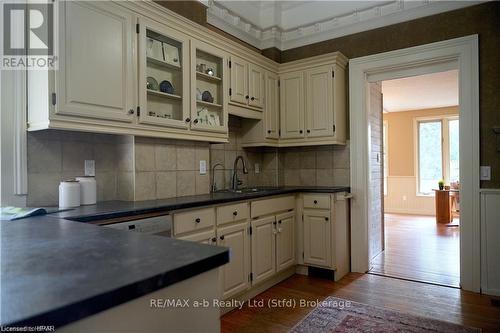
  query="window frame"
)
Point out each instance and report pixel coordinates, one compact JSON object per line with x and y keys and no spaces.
{"x":445,"y":147}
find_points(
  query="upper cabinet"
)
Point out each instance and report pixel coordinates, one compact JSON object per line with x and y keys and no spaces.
{"x":96,"y":77}
{"x":247,"y":83}
{"x":319,"y":96}
{"x":272,"y":108}
{"x":292,"y":105}
{"x":208,"y":77}
{"x":163,"y":76}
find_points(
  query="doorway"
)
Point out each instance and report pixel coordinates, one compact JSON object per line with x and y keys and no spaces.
{"x":459,"y":54}
{"x":414,"y":134}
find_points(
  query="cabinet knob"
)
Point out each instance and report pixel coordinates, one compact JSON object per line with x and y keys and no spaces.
{"x":247,"y":96}
{"x":274,"y":222}
{"x":308,"y":131}
{"x":221,"y":237}
{"x":268,"y":131}
{"x":214,"y":240}
{"x":188,"y":120}
{"x":253,"y":98}
{"x":131,"y":111}
{"x":195,"y":121}
{"x":301,"y":131}
{"x":326,"y":218}
{"x":315,"y":202}
{"x":235,"y":213}
{"x":279,"y":222}
{"x":198,"y":220}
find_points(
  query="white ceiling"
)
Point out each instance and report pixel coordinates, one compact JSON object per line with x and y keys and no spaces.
{"x":289,"y":24}
{"x":421,"y":92}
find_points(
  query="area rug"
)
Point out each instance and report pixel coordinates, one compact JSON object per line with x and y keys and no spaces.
{"x":335,"y":315}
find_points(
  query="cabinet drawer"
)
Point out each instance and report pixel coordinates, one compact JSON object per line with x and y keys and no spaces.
{"x":320,"y":201}
{"x":272,"y":206}
{"x":193,"y":220}
{"x":233,"y":213}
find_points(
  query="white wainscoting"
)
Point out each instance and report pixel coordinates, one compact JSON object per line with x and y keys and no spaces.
{"x":490,"y":241}
{"x":399,"y":187}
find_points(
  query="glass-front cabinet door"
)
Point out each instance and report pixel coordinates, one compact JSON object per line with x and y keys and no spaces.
{"x":208,"y":88}
{"x":163,"y":76}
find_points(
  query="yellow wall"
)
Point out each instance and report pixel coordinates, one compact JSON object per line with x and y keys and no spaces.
{"x":401,"y":138}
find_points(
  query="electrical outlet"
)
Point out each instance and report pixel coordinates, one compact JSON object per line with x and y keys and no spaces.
{"x":257,"y":168}
{"x":203,"y":167}
{"x":89,"y":168}
{"x":485,"y":172}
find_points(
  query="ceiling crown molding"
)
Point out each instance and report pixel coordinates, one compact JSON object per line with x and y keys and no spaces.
{"x":386,"y":13}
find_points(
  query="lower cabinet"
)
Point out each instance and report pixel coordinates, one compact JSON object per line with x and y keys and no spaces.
{"x":317,"y":238}
{"x":205,"y":237}
{"x":285,"y":241}
{"x":234,"y":275}
{"x":263,"y":248}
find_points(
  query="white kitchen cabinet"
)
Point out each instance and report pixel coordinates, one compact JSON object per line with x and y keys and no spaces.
{"x":263,"y":248}
{"x":247,"y":83}
{"x":317,"y":238}
{"x":163,"y":63}
{"x":256,"y":86}
{"x":292,"y":105}
{"x":239,"y":80}
{"x":319,"y":101}
{"x":205,"y":237}
{"x":272,"y":111}
{"x":285,"y":241}
{"x":234,"y":275}
{"x":97,"y":64}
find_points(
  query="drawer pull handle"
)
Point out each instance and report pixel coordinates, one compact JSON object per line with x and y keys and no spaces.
{"x":198,"y":220}
{"x":221,"y":237}
{"x":214,"y":240}
{"x":235,"y":213}
{"x":315,"y":202}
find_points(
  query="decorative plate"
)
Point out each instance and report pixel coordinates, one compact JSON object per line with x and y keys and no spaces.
{"x":207,"y":97}
{"x":151,"y":83}
{"x":166,"y":87}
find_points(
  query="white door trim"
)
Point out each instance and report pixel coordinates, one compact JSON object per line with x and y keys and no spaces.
{"x":463,"y":52}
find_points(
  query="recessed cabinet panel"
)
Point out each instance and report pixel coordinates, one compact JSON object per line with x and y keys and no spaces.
{"x":163,"y":76}
{"x":234,"y":275}
{"x":292,"y":105}
{"x":317,"y":238}
{"x":96,"y":61}
{"x":263,"y":249}
{"x":319,"y":88}
{"x":285,"y":241}
{"x":255,"y":86}
{"x":239,"y":80}
{"x":272,"y":108}
{"x":205,"y":237}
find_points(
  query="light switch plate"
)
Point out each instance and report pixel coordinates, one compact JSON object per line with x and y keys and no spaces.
{"x":257,"y":168}
{"x":203,"y":167}
{"x":485,"y":172}
{"x":89,"y":168}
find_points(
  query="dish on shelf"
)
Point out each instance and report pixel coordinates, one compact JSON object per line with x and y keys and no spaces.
{"x":206,"y":96}
{"x":151,"y":83}
{"x":210,"y":72}
{"x":171,"y":54}
{"x":167,"y":87}
{"x":154,"y":49}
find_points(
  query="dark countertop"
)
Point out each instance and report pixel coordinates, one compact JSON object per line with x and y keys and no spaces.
{"x":55,"y":271}
{"x":111,"y":209}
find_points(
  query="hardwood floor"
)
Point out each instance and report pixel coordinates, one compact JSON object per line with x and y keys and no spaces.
{"x":418,"y":248}
{"x":438,"y":302}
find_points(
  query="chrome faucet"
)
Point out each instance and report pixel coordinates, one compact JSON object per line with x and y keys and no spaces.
{"x":236,"y":182}
{"x":213,"y":188}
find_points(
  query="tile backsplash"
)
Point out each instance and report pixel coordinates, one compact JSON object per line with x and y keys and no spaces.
{"x":135,"y":168}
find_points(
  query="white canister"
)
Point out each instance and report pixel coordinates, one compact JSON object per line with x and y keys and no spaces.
{"x":69,"y":194}
{"x":88,"y":190}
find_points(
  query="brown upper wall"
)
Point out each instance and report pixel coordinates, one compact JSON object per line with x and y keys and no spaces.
{"x":480,"y":19}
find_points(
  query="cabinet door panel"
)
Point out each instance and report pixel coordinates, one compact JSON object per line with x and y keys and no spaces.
{"x":239,"y":80}
{"x":263,"y":249}
{"x":206,"y":237}
{"x":319,"y":101}
{"x":292,"y":105}
{"x":97,"y":66}
{"x":256,"y":86}
{"x":234,"y":275}
{"x":285,"y":241}
{"x":317,"y":238}
{"x":272,"y":109}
